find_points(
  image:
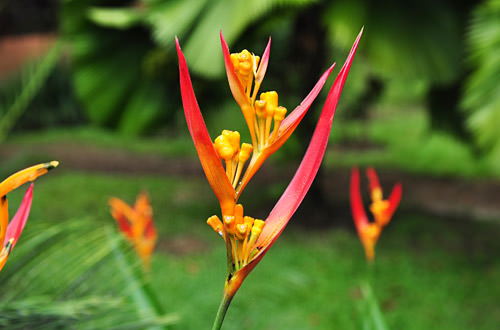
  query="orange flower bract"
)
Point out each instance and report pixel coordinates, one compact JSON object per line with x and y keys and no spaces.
{"x":136,"y":224}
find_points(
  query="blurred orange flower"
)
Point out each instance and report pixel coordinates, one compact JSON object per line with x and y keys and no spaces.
{"x":381,"y":209}
{"x":10,"y":232}
{"x":136,"y":224}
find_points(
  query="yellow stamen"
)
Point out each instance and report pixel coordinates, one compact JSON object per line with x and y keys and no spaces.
{"x":238,"y":214}
{"x":245,"y":151}
{"x":227,"y":147}
{"x":255,"y":232}
{"x":243,"y":64}
{"x":265,"y":110}
{"x":240,"y":233}
{"x":271,"y":98}
{"x":223,"y":148}
{"x":216,"y":224}
{"x":229,"y":224}
{"x":241,"y":230}
{"x":279,"y":115}
{"x":260,"y":108}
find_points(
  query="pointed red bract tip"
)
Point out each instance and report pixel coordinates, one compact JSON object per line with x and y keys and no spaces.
{"x":18,"y":222}
{"x":372,"y":179}
{"x":395,"y":198}
{"x":264,"y":61}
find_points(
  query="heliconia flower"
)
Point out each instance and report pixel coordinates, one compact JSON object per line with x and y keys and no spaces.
{"x":269,"y":127}
{"x":381,"y":209}
{"x":10,"y":231}
{"x":248,"y":239}
{"x":136,"y":224}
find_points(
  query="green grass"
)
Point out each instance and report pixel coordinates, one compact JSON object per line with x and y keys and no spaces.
{"x":178,"y":146}
{"x":430,"y":273}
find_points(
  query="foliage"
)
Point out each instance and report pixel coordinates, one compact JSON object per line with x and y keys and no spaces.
{"x":123,"y":59}
{"x":71,"y":275}
{"x":482,"y":92}
{"x":403,"y":140}
{"x":31,"y":81}
{"x":409,"y":44}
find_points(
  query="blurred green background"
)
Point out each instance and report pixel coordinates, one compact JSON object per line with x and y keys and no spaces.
{"x":94,"y":84}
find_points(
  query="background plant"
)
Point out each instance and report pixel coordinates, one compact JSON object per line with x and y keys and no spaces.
{"x":123,"y":52}
{"x":482,"y":92}
{"x":75,"y":274}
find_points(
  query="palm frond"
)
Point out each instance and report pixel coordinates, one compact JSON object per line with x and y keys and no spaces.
{"x":76,"y":275}
{"x":482,"y":92}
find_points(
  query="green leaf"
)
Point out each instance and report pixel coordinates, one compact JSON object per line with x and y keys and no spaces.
{"x":481,"y":99}
{"x":118,"y":18}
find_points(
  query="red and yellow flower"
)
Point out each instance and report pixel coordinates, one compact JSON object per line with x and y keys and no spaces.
{"x":229,"y":164}
{"x":136,"y":224}
{"x":10,"y":231}
{"x":381,"y":209}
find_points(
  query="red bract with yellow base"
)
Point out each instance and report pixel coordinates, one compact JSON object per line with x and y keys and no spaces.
{"x":248,"y":239}
{"x":136,"y":224}
{"x":10,"y":231}
{"x":381,"y":209}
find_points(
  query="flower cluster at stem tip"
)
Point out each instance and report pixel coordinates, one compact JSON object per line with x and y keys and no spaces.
{"x":241,"y":232}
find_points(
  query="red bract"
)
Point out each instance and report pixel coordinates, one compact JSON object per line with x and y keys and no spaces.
{"x":381,"y":209}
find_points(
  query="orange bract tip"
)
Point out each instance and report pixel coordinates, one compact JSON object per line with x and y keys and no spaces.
{"x":26,"y":175}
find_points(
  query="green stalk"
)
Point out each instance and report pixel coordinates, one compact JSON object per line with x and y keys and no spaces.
{"x":373,"y":314}
{"x":221,"y":313}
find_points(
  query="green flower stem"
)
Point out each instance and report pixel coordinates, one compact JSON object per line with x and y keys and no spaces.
{"x":221,"y":313}
{"x":372,"y":313}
